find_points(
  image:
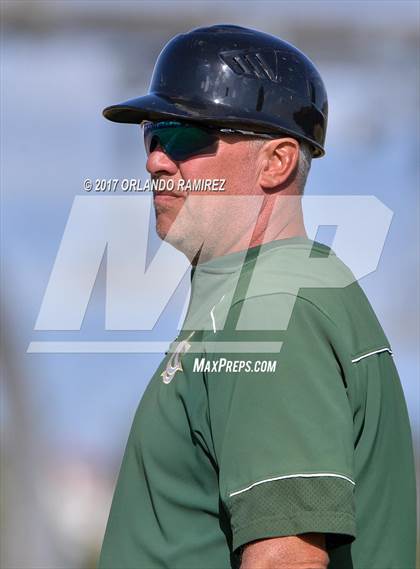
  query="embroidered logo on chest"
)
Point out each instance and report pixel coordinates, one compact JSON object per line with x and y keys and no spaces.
{"x":174,"y":363}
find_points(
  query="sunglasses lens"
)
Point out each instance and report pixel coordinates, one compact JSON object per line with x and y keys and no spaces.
{"x":179,"y":140}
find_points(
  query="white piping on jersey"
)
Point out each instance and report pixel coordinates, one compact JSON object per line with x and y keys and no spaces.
{"x":292,"y":476}
{"x":371,"y":354}
{"x":213,"y":321}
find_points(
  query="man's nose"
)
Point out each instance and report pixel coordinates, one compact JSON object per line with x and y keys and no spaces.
{"x":158,"y":162}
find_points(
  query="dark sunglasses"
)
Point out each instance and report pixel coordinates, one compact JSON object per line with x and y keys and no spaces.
{"x":181,"y":140}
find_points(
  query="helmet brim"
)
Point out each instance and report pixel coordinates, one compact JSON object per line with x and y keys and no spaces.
{"x":149,"y":107}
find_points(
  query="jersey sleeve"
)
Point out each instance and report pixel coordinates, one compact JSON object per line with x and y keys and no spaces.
{"x":281,"y":423}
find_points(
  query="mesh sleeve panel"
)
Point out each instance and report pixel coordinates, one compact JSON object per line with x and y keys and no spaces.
{"x":294,"y":506}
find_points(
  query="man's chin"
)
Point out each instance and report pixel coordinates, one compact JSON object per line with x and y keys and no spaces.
{"x":178,"y":241}
{"x":166,"y":234}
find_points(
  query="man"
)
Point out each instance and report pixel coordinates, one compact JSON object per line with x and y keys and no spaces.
{"x":275,"y":433}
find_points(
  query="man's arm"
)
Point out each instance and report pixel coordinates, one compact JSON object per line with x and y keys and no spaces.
{"x":306,"y":551}
{"x":283,"y":439}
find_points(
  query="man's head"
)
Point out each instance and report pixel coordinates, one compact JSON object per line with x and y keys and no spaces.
{"x":230,"y":77}
{"x":256,"y":170}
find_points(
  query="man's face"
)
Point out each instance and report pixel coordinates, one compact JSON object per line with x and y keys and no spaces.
{"x":211,"y":221}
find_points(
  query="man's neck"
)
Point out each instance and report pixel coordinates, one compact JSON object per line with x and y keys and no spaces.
{"x":256,"y":239}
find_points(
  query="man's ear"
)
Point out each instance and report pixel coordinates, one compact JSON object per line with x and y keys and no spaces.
{"x":280,"y":161}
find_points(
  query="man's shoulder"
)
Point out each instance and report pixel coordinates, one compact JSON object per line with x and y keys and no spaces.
{"x":302,"y":284}
{"x":292,"y":268}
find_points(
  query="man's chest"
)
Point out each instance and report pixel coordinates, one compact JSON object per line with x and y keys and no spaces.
{"x":170,"y":429}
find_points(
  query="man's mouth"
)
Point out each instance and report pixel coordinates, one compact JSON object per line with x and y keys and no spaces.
{"x":165,"y":189}
{"x":165,"y":193}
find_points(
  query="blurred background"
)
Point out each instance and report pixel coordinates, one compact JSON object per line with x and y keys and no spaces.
{"x":65,"y":417}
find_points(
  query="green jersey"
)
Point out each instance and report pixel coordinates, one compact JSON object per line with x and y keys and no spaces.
{"x":277,"y":411}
